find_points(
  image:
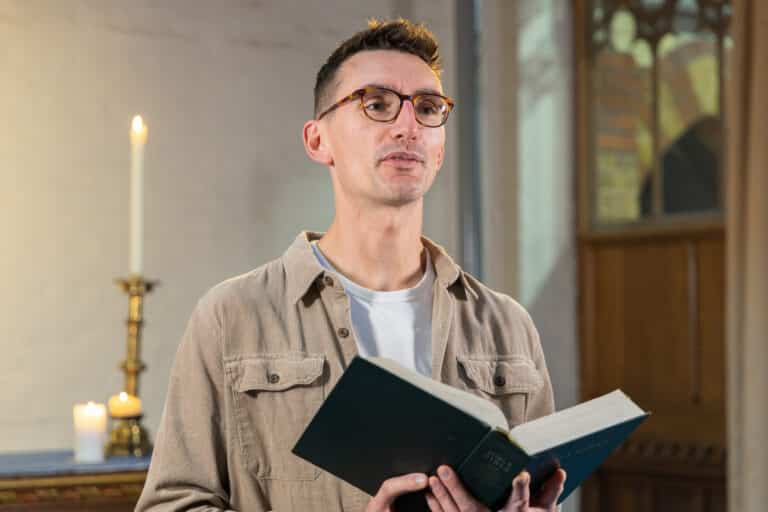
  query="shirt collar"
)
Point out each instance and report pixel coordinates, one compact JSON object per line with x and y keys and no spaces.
{"x":302,"y":268}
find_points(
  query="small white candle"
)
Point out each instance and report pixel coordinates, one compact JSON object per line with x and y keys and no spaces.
{"x":138,"y":141}
{"x":90,"y":432}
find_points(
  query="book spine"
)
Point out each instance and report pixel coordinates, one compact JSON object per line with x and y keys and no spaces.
{"x":489,"y":469}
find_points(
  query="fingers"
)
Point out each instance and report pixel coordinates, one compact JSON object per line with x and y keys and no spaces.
{"x":551,"y":490}
{"x":442,"y":495}
{"x":451,"y":494}
{"x":392,"y":488}
{"x":546,"y":499}
{"x":520,"y":497}
{"x":446,"y":492}
{"x":434,"y":505}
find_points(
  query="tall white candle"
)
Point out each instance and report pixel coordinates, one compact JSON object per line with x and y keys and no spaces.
{"x":138,"y":141}
{"x":90,"y":432}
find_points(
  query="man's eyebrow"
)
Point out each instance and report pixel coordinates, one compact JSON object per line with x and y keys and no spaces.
{"x":427,"y":90}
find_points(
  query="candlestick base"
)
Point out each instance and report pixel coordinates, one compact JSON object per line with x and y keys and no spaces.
{"x":128,"y":437}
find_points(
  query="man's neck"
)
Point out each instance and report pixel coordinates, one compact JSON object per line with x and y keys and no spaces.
{"x":380,"y":250}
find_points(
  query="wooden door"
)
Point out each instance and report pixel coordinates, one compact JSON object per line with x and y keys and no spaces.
{"x":649,"y":76}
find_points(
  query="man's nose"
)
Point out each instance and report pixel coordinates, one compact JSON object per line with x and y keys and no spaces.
{"x":405,"y":124}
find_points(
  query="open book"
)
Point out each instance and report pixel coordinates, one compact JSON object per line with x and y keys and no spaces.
{"x":383,"y":420}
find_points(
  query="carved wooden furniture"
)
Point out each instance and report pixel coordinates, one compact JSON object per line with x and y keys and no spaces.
{"x":52,"y":481}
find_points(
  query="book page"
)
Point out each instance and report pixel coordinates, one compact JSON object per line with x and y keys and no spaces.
{"x":482,"y":409}
{"x":575,"y":422}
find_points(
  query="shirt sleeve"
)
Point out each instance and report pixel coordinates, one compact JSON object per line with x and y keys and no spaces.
{"x":188,"y":470}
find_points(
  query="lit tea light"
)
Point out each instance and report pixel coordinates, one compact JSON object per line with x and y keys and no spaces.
{"x":124,"y":406}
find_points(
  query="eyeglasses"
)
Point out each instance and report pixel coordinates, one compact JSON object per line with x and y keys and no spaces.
{"x":384,"y":105}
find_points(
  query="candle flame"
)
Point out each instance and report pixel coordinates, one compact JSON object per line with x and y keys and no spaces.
{"x":137,"y":125}
{"x":123,"y":396}
{"x":138,"y":131}
{"x":91,"y":409}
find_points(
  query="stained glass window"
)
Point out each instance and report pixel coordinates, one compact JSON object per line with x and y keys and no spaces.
{"x":656,"y":73}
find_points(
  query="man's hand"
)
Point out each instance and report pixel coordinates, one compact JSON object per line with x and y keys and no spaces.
{"x":545,"y":501}
{"x":394,"y":487}
{"x":447,"y":494}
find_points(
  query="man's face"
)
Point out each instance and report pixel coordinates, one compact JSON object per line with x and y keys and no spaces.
{"x":364,"y":168}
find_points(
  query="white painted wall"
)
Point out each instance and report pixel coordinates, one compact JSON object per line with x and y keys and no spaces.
{"x":225,"y":88}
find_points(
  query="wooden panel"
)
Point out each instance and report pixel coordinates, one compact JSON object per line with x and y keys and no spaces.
{"x":675,"y":497}
{"x":609,"y":315}
{"x":656,"y":324}
{"x":590,"y":493}
{"x":655,"y":316}
{"x":716,"y":500}
{"x":587,"y":323}
{"x":627,"y":498}
{"x":652,"y":323}
{"x":631,"y":491}
{"x":626,"y":495}
{"x":712,"y":320}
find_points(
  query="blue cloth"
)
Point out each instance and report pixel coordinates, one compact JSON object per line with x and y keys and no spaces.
{"x":52,"y":463}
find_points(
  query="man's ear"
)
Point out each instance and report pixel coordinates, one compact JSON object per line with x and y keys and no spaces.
{"x":314,"y":144}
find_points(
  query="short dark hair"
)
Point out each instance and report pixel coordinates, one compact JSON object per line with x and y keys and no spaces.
{"x":399,"y":35}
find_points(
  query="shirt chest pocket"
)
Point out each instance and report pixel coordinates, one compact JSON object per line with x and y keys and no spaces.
{"x":508,"y":381}
{"x":275,"y":396}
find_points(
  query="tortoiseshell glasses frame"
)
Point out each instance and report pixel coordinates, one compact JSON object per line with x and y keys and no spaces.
{"x":444,"y":104}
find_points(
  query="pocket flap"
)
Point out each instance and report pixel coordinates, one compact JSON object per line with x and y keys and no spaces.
{"x":275,"y":373}
{"x":502,"y":375}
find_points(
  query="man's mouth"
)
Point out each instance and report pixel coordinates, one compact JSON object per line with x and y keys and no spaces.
{"x":402,"y":158}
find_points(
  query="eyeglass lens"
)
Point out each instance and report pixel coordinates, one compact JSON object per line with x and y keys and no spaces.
{"x":383,"y":105}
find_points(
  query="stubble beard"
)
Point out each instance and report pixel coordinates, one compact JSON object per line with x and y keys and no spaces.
{"x":396,"y":194}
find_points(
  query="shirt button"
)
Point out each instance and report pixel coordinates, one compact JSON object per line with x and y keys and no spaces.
{"x":343,"y":332}
{"x":500,"y":381}
{"x":274,"y":378}
{"x":328,"y":280}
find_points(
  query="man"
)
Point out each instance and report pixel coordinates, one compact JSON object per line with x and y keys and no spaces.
{"x":262,"y":350}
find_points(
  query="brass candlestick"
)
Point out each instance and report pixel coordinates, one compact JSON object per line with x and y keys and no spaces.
{"x":128,"y":436}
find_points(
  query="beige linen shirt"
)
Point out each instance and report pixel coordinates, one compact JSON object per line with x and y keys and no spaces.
{"x":261,"y":352}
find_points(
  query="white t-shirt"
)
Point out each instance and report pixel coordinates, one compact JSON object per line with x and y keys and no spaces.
{"x":396,"y":324}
